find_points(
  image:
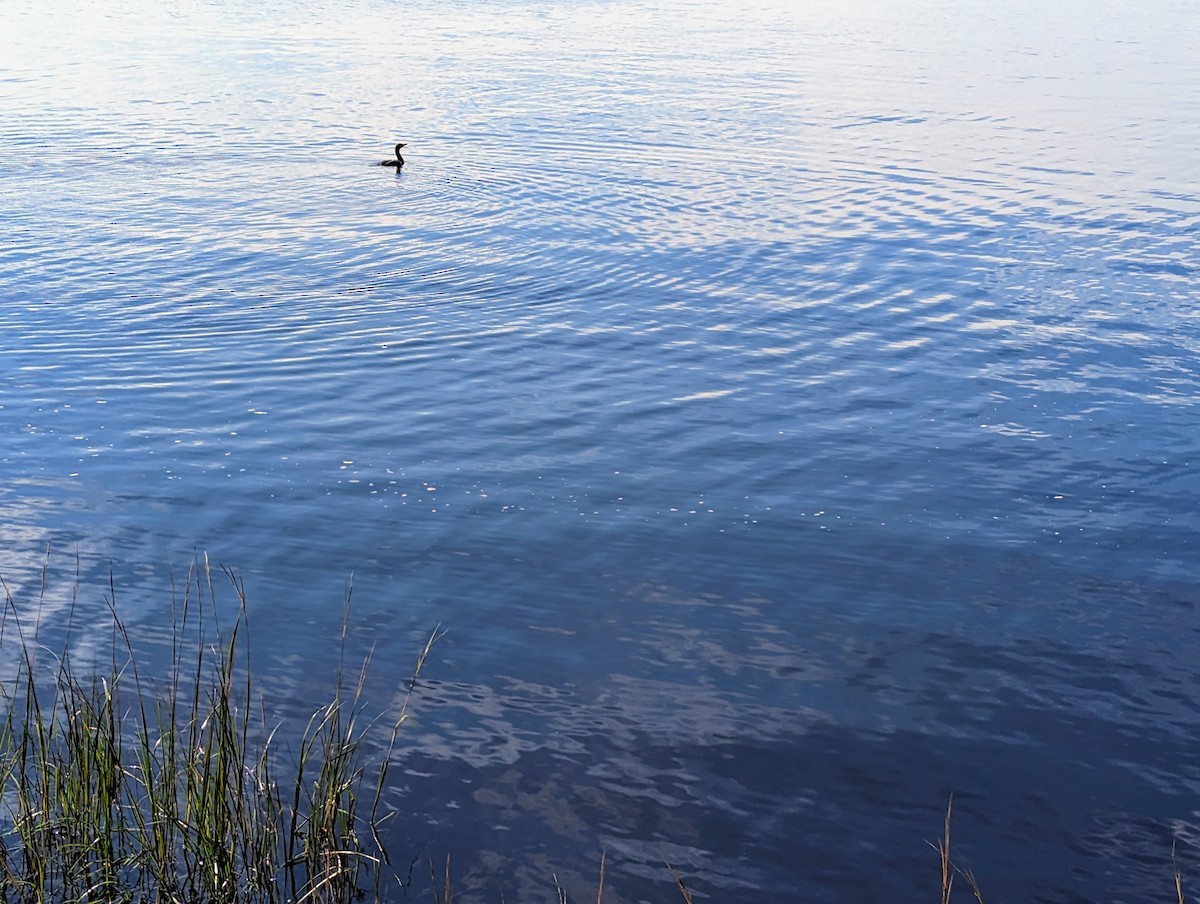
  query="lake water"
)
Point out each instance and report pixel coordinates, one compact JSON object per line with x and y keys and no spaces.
{"x":790,"y":409}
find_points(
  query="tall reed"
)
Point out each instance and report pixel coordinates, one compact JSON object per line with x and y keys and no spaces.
{"x":116,"y":787}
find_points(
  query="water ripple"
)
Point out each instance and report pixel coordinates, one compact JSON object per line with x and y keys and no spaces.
{"x":756,"y":390}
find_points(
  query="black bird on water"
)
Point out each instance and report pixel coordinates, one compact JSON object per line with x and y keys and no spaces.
{"x":398,"y":162}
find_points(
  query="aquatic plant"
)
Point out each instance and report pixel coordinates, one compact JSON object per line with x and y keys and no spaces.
{"x":111,"y":790}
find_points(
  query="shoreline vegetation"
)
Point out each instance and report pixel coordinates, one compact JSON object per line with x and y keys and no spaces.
{"x":117,"y":786}
{"x":121,"y":787}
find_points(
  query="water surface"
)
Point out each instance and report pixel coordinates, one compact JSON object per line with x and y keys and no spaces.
{"x":790,"y":411}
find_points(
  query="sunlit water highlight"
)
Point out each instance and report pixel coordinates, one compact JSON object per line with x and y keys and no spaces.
{"x":791,"y":411}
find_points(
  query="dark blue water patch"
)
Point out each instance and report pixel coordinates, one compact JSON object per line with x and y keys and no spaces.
{"x":664,"y":752}
{"x":696,"y":694}
{"x":808,"y":835}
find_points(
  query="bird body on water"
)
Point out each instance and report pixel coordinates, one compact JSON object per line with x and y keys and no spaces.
{"x":398,"y":162}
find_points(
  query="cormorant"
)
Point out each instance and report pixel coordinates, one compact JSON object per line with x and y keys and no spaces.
{"x":398,"y":162}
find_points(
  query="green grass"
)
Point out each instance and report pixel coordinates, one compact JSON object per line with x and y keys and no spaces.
{"x":119,"y":788}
